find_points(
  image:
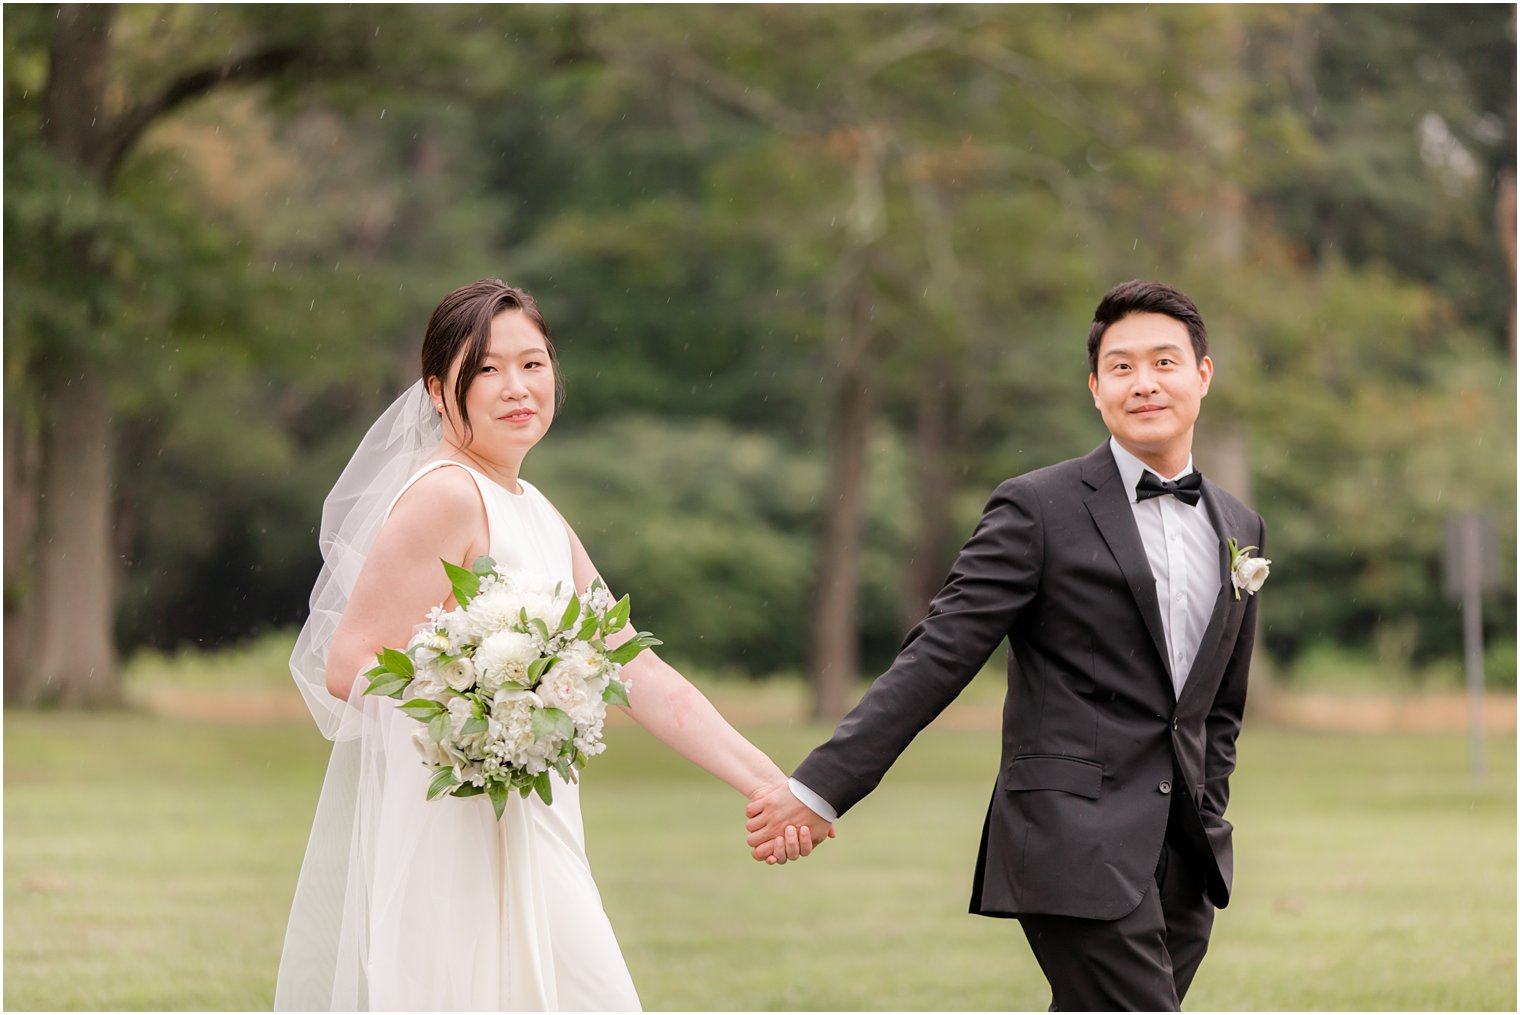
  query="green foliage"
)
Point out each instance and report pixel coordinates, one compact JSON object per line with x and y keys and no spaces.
{"x":712,"y":531}
{"x":257,"y":278}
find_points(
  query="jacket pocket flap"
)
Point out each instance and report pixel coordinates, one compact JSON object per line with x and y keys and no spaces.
{"x":1057,"y":772}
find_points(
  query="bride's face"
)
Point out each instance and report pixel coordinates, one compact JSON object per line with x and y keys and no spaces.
{"x":511,"y":400}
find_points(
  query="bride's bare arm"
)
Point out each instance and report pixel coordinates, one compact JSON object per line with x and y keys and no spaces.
{"x":440,"y":517}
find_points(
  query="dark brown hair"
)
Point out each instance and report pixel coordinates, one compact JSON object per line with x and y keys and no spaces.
{"x":1142,"y":297}
{"x":463,"y":322}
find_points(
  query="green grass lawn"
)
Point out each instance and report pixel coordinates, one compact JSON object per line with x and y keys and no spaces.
{"x":1371,"y":874}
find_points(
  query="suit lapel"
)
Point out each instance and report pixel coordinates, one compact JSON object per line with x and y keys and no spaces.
{"x":1109,"y":506}
{"x":1224,"y":527}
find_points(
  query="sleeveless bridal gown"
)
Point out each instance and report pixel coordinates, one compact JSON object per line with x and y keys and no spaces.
{"x":468,"y":913}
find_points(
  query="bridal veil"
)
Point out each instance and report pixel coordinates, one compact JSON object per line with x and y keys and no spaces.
{"x":322,"y":965}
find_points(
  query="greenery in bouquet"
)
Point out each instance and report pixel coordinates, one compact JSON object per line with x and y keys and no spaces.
{"x":512,"y":684}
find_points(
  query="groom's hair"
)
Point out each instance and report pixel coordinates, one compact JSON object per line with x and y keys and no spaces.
{"x":461,"y":328}
{"x":1142,"y":297}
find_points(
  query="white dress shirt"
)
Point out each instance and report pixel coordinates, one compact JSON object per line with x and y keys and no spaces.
{"x":1183,"y":550}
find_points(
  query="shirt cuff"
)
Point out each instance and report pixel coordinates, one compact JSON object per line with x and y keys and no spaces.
{"x":818,"y":804}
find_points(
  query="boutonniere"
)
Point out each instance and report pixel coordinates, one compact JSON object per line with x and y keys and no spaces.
{"x":1247,"y":572}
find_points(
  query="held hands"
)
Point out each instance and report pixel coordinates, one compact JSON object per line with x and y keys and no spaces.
{"x":781,"y":827}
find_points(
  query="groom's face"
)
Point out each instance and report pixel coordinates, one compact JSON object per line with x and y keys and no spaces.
{"x":1150,"y":384}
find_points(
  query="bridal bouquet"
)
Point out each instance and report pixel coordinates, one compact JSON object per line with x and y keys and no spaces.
{"x":511,"y":685}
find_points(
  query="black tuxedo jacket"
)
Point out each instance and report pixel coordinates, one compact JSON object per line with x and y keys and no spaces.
{"x":1095,"y":742}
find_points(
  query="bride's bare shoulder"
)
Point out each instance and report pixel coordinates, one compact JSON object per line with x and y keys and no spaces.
{"x":441,"y":495}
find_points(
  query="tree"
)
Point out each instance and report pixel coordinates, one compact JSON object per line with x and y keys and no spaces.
{"x":84,"y":244}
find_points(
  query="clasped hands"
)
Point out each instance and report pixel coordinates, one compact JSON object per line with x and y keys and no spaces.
{"x":781,"y":827}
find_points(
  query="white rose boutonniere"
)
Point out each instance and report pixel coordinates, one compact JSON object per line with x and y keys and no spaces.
{"x":1247,"y":572}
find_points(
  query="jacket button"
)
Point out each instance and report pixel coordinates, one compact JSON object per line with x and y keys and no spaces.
{"x":1166,"y":786}
{"x":1174,"y":724}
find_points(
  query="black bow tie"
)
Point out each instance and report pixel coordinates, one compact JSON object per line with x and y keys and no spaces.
{"x":1185,"y":489}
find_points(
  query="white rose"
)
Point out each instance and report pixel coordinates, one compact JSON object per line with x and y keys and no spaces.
{"x":428,"y":683}
{"x":563,"y":688}
{"x":431,"y":753}
{"x":504,"y":657}
{"x":1250,"y":573}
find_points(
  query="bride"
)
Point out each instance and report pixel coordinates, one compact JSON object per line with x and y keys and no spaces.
{"x":408,"y":904}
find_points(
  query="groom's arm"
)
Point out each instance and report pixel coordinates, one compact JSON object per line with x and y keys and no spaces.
{"x":994,"y":577}
{"x":1223,"y":723}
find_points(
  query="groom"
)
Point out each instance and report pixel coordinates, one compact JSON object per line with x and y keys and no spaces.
{"x":1112,"y":579}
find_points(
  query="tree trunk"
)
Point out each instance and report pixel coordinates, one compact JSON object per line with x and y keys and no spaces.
{"x":20,"y":528}
{"x":932,"y":489}
{"x":835,"y":659}
{"x":836,"y":634}
{"x":73,"y":654}
{"x":69,"y":615}
{"x":1504,"y":224}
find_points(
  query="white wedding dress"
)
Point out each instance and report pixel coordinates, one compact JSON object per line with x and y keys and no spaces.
{"x":450,"y":908}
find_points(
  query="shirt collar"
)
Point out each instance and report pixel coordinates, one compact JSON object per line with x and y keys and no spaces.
{"x":1131,"y":468}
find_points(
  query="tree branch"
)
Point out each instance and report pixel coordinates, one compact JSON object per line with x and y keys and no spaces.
{"x":257,"y":66}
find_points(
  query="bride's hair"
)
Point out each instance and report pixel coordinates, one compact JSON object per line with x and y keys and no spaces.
{"x":463,"y":322}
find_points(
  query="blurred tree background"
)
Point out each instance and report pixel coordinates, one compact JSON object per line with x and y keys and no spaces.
{"x":820,"y":278}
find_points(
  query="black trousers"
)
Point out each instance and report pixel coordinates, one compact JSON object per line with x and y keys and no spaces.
{"x":1141,"y":962}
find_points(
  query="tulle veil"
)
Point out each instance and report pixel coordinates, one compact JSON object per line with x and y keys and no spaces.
{"x":322,"y":965}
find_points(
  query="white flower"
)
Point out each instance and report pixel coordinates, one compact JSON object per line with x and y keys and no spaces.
{"x":581,"y":661}
{"x":564,"y":689}
{"x":427,"y":645}
{"x":432,"y":753}
{"x":494,"y":610}
{"x":458,"y":673}
{"x":504,"y":657}
{"x":472,"y":746}
{"x":1246,"y":572}
{"x":514,"y":710}
{"x":598,"y":600}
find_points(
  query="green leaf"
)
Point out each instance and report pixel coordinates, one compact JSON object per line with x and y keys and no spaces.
{"x":563,"y":767}
{"x":388,"y":685}
{"x":544,"y":787}
{"x":466,"y":583}
{"x":541,"y":628}
{"x":572,"y":614}
{"x":549,"y":721}
{"x":444,"y":780}
{"x":375,"y":671}
{"x":475,"y":724}
{"x":422,"y":709}
{"x":398,"y":663}
{"x":617,"y":617}
{"x":537,"y":667}
{"x":483,"y":566}
{"x":632,"y":647}
{"x":499,"y":797}
{"x":467,"y":789}
{"x":588,"y":628}
{"x":615,"y":693}
{"x":438,"y":727}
